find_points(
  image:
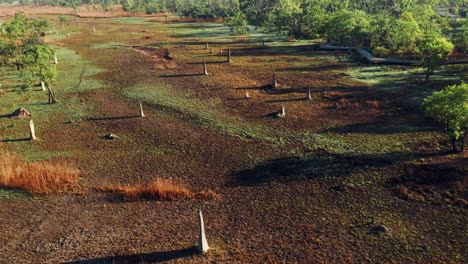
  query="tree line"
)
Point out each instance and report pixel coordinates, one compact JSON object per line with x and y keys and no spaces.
{"x":384,"y":26}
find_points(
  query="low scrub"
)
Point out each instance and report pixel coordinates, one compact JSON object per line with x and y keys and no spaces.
{"x":39,"y":177}
{"x":160,"y":189}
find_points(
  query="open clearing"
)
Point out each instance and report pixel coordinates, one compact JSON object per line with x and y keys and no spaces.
{"x":302,"y":188}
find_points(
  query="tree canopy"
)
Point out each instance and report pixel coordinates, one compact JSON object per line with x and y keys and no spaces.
{"x":22,"y":45}
{"x":383,"y":26}
{"x":450,"y":107}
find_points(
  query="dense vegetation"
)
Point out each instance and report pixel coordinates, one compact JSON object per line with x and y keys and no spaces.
{"x":397,"y":27}
{"x":450,"y":107}
{"x":22,"y":45}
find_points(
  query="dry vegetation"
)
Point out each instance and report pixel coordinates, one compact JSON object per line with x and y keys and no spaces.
{"x":39,"y":177}
{"x":159,"y":189}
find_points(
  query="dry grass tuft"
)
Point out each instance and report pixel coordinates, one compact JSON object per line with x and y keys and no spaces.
{"x":160,"y":189}
{"x":36,"y":177}
{"x":374,"y":103}
{"x":207,"y":195}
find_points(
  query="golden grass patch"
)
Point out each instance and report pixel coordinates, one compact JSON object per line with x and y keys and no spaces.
{"x":159,"y":189}
{"x":40,"y":177}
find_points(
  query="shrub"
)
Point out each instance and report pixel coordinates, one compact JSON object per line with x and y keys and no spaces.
{"x":381,"y":51}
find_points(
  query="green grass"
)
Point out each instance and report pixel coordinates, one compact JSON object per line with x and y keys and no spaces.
{"x":204,"y":113}
{"x":75,"y":76}
{"x":200,"y":31}
{"x":9,"y":194}
{"x":209,"y":114}
{"x":108,"y":45}
{"x":127,"y":20}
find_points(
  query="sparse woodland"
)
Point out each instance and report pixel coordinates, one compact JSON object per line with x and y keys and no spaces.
{"x":295,"y":152}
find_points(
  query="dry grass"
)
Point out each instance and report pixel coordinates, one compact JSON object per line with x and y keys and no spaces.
{"x":207,"y":195}
{"x":36,"y":177}
{"x":160,"y":189}
{"x":374,"y":103}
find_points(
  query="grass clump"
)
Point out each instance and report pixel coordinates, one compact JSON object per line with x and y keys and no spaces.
{"x":36,"y":177}
{"x":159,"y":189}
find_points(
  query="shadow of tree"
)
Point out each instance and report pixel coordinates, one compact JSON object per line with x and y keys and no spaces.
{"x":382,"y":127}
{"x":317,"y":166}
{"x":155,"y":257}
{"x":315,"y":68}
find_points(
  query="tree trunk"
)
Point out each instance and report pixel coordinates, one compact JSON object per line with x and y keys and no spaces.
{"x":52,"y":98}
{"x":462,"y":142}
{"x":429,"y":72}
{"x":453,"y":142}
{"x":458,"y":145}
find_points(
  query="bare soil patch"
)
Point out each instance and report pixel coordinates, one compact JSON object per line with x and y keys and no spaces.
{"x":159,"y":55}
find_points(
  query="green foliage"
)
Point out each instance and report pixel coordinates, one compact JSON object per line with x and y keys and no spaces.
{"x":434,"y":51}
{"x":348,"y":28}
{"x":128,"y":5}
{"x":450,"y":107}
{"x":24,"y":45}
{"x":237,"y":23}
{"x":394,"y":26}
{"x":460,"y":37}
{"x":62,"y":19}
{"x":380,"y":30}
{"x":284,"y":16}
{"x":257,"y":10}
{"x":405,"y":35}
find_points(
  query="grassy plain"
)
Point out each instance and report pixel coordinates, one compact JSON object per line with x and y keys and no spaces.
{"x":302,"y":188}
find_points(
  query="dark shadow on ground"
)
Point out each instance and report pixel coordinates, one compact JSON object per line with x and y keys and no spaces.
{"x":288,"y":100}
{"x":111,"y":118}
{"x":317,"y":166}
{"x":209,"y":62}
{"x":155,"y":257}
{"x":237,"y":99}
{"x":16,"y":140}
{"x":382,"y":127}
{"x":203,"y":43}
{"x":286,"y":90}
{"x":305,"y":50}
{"x":181,"y":75}
{"x":263,"y":87}
{"x":341,"y":66}
{"x":40,"y":103}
